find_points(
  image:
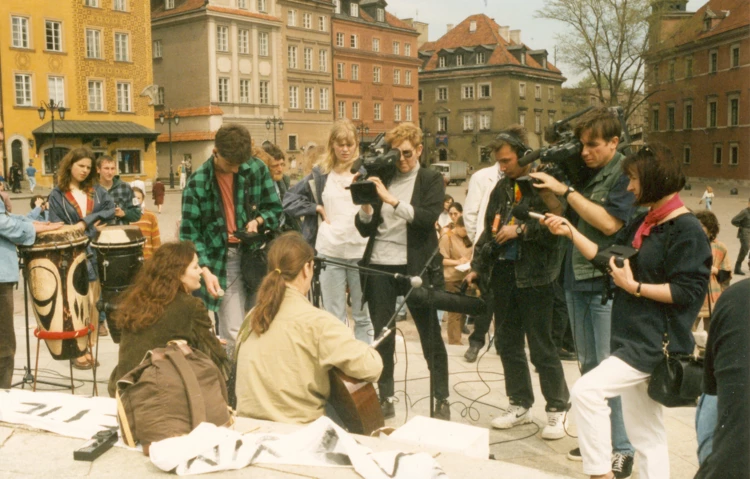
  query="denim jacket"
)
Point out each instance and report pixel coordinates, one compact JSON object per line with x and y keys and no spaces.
{"x":303,"y":199}
{"x":14,"y":229}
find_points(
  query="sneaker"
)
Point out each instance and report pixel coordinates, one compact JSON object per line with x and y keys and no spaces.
{"x":575,"y":455}
{"x":471,"y":354}
{"x":443,"y":410}
{"x":513,"y":416}
{"x":555,"y":428}
{"x":622,"y":465}
{"x":386,"y":405}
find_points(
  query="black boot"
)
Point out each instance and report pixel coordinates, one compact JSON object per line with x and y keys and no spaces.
{"x":6,"y":372}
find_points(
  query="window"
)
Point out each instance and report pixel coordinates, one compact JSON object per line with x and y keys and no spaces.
{"x":56,"y":89}
{"x":522,"y":90}
{"x":484,"y":121}
{"x":467,"y":92}
{"x":291,"y":56}
{"x":20,"y":34}
{"x":342,"y":109}
{"x":396,"y":76}
{"x":91,"y":3}
{"x":671,"y":70}
{"x":324,"y":105}
{"x":717,"y":153}
{"x":244,"y":91}
{"x":339,"y":39}
{"x":656,"y":74}
{"x":129,"y":161}
{"x":551,"y":94}
{"x":353,"y":9}
{"x":442,"y":93}
{"x":485,"y":90}
{"x":522,"y":117}
{"x":407,"y":77}
{"x":353,"y":41}
{"x":686,"y":154}
{"x":655,"y":119}
{"x":397,"y":113}
{"x":537,"y":92}
{"x":381,"y":15}
{"x":355,"y":110}
{"x":263,"y":44}
{"x":407,"y":49}
{"x":323,"y":60}
{"x":53,"y":34}
{"x":443,"y":124}
{"x":96,"y":95}
{"x":156,"y":50}
{"x":122,"y":47}
{"x":160,"y":96}
{"x":262,"y":5}
{"x":340,"y":75}
{"x":537,"y":122}
{"x":688,"y":67}
{"x":468,"y":122}
{"x":309,"y":98}
{"x":420,"y":94}
{"x":713,"y":61}
{"x":670,"y":117}
{"x":734,"y":60}
{"x":734,"y":154}
{"x":293,"y":97}
{"x":734,"y":111}
{"x":222,"y":38}
{"x":377,"y":112}
{"x":459,"y":60}
{"x":688,"y":120}
{"x":308,"y":59}
{"x":396,"y":48}
{"x":441,"y":62}
{"x":376,"y":74}
{"x":408,"y":113}
{"x":480,"y":58}
{"x":119,"y":5}
{"x":291,"y":17}
{"x":355,"y":72}
{"x":23,"y":89}
{"x":712,"y":114}
{"x":337,"y":6}
{"x":123,"y":97}
{"x":322,"y":23}
{"x":293,"y":143}
{"x":551,"y":118}
{"x":376,"y":44}
{"x":93,"y":43}
{"x":242,"y":4}
{"x":168,"y":4}
{"x":307,"y":21}
{"x":223,"y":89}
{"x":263,"y":93}
{"x":243,"y":41}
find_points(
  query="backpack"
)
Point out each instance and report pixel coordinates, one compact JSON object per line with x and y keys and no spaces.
{"x":169,"y":394}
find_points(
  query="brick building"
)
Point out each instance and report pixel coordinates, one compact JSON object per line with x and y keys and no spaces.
{"x":374,"y":66}
{"x":477,"y":79}
{"x":698,"y":76}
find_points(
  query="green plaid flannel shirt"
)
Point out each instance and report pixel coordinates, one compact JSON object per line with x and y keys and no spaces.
{"x":203,"y":220}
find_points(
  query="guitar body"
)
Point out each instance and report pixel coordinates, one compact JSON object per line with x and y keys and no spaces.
{"x":356,"y":402}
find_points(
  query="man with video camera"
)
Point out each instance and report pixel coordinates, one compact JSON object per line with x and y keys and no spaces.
{"x":518,"y":261}
{"x":402,"y":239}
{"x":598,"y":209}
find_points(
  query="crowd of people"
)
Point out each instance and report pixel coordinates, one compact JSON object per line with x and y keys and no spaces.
{"x":309,"y":244}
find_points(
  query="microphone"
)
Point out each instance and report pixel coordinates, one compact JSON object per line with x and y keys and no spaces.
{"x":451,"y":302}
{"x":414,"y":281}
{"x":531,"y":157}
{"x":523,"y":213}
{"x":383,"y":334}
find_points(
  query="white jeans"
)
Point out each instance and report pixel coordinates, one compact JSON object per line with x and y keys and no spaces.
{"x":232,"y":307}
{"x":333,"y":282}
{"x":643,"y":419}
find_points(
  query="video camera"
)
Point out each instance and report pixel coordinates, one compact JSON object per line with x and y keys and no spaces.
{"x":379,"y":161}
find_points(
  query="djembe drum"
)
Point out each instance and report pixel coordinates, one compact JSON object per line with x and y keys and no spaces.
{"x":119,"y":256}
{"x":59,"y":286}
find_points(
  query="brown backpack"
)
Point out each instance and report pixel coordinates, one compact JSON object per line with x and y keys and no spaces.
{"x":169,"y":394}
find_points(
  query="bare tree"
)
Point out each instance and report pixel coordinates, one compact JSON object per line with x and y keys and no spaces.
{"x":606,"y":40}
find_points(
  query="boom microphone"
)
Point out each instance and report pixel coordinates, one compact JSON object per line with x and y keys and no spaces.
{"x":523,"y":213}
{"x":531,"y":157}
{"x":414,"y":281}
{"x":451,"y":302}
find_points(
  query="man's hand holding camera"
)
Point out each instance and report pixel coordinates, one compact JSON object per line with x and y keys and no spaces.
{"x":547,"y":181}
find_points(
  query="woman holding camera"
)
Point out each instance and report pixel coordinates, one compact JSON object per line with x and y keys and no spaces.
{"x":324,"y":200}
{"x":664,"y":284}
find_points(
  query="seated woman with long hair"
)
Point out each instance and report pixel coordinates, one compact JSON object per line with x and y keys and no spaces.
{"x":159,"y":307}
{"x":286,"y":346}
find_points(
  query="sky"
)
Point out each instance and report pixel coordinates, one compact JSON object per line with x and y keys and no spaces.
{"x":535,"y":32}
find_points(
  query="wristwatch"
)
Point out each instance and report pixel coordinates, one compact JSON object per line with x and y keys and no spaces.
{"x":519,"y":230}
{"x":568,"y":191}
{"x":637,"y":293}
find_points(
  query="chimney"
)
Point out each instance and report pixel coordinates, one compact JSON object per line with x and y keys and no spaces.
{"x":515,"y":36}
{"x":449,"y":27}
{"x":505,"y":33}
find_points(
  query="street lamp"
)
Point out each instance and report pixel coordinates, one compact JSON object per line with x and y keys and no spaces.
{"x":426,"y":152}
{"x":42,"y":110}
{"x":363,"y":130}
{"x":170,"y":115}
{"x":274,"y":121}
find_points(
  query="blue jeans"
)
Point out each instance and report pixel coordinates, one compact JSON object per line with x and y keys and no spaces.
{"x":32,"y":183}
{"x":706,"y":417}
{"x":333,"y":282}
{"x":591,"y":323}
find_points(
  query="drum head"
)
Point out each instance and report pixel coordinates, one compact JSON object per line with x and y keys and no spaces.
{"x":65,"y":237}
{"x":120,"y":236}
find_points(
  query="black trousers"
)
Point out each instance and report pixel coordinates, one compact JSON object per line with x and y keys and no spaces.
{"x":482,"y":322}
{"x":381,"y":293}
{"x":7,"y":335}
{"x":744,"y":248}
{"x":562,"y":335}
{"x":527,"y":312}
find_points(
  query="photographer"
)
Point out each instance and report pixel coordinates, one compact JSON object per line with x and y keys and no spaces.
{"x":598,"y":211}
{"x":519,"y":261}
{"x":401,"y":232}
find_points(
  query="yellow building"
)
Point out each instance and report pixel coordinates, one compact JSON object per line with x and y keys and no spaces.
{"x":93,"y":57}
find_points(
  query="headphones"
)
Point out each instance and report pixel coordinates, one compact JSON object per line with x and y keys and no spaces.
{"x":521,"y":149}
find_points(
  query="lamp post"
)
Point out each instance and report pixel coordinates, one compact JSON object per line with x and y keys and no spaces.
{"x":363,"y":130}
{"x":53,"y":107}
{"x":426,"y":152}
{"x":169,"y":116}
{"x":274,"y":121}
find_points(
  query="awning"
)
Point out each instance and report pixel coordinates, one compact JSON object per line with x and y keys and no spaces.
{"x":87,"y":131}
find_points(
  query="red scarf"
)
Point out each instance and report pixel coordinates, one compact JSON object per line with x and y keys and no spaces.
{"x":654,"y":217}
{"x":89,"y":203}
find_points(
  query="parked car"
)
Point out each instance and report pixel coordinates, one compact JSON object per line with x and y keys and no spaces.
{"x":452,"y":171}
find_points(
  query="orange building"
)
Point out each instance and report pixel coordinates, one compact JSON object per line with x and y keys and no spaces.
{"x":375,"y":65}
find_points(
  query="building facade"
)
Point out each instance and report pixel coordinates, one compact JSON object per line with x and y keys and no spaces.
{"x":375,"y":67}
{"x":93,"y":58}
{"x":698,"y":82}
{"x":477,"y":79}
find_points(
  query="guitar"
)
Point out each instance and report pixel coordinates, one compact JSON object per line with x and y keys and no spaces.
{"x":356,"y":403}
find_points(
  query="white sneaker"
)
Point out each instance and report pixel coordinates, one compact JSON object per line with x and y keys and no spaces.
{"x":513,"y":416}
{"x":555,"y":428}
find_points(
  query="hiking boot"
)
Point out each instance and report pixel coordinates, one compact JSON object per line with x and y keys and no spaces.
{"x":555,"y":428}
{"x":471,"y":353}
{"x":386,"y":405}
{"x":513,"y":416}
{"x":575,"y":455}
{"x":443,"y":410}
{"x":622,"y":465}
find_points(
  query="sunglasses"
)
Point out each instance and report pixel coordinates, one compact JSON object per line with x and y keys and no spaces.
{"x":407,"y":153}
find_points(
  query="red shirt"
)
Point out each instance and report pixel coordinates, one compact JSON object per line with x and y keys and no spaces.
{"x":226,"y":187}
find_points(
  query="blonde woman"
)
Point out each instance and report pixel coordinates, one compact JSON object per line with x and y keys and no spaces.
{"x":324,"y":201}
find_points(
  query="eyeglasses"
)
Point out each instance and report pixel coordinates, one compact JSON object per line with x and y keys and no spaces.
{"x":407,"y":153}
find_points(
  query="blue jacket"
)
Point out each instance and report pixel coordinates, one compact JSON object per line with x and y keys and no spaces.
{"x":302,"y":200}
{"x":14,"y":229}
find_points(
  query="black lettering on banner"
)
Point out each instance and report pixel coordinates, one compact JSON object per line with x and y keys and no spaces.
{"x":78,"y":416}
{"x":47,"y":413}
{"x":32,"y":410}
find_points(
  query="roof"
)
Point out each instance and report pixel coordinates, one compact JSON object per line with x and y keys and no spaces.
{"x":75,"y":128}
{"x":187,"y":6}
{"x":187,"y":136}
{"x":487,"y":36}
{"x":691,"y":30}
{"x":390,"y":20}
{"x":197,"y":111}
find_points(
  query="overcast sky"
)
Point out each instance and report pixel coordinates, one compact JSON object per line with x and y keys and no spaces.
{"x":535,"y":32}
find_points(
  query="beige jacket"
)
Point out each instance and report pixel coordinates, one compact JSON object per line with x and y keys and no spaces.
{"x":283,"y":374}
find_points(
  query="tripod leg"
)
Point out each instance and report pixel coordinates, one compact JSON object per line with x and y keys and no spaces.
{"x":36,"y":365}
{"x":72,"y":384}
{"x":93,"y":366}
